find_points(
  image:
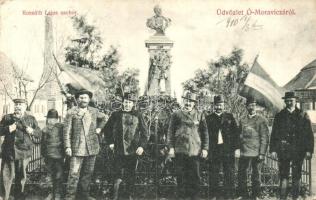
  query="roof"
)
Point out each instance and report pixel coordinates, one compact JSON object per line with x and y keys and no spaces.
{"x":305,"y":79}
{"x":78,"y":78}
{"x":84,"y":77}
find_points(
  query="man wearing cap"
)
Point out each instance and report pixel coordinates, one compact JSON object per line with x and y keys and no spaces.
{"x":187,"y":141}
{"x":19,"y":130}
{"x":254,"y":136}
{"x":292,"y":140}
{"x":81,"y":143}
{"x":127,"y":135}
{"x":224,"y":140}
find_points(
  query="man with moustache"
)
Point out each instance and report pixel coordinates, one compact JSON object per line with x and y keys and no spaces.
{"x":187,"y":141}
{"x":127,"y":134}
{"x":82,"y":144}
{"x":254,"y":134}
{"x":224,"y":141}
{"x":18,"y":130}
{"x":292,"y":140}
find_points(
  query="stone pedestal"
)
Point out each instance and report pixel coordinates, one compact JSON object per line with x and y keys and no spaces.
{"x":159,"y":80}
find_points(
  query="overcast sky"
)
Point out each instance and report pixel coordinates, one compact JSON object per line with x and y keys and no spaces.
{"x":285,"y":43}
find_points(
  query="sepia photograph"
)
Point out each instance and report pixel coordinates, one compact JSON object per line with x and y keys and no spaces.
{"x":157,"y":100}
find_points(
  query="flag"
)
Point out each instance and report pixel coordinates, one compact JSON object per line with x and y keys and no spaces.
{"x":260,"y":85}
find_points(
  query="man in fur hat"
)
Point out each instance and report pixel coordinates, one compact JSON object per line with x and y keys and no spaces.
{"x":292,"y":140}
{"x":127,"y":134}
{"x":188,"y":141}
{"x":81,"y":143}
{"x":18,"y":130}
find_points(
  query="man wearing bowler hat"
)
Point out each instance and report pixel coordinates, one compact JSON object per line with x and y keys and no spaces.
{"x":127,"y":134}
{"x":19,"y":130}
{"x":188,"y":141}
{"x":292,"y":140}
{"x":254,"y":136}
{"x":81,"y":143}
{"x":224,"y":140}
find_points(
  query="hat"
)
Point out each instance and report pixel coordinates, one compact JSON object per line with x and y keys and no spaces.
{"x":129,"y":96}
{"x":250,"y":100}
{"x":289,"y":95}
{"x":218,"y":99}
{"x":52,"y":113}
{"x":83,"y":91}
{"x":190,"y":96}
{"x":19,"y":100}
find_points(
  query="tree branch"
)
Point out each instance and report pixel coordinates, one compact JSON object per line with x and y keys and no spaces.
{"x":6,"y":89}
{"x":42,"y":82}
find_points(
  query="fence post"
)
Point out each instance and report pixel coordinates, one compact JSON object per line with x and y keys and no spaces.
{"x":310,"y":175}
{"x":156,"y":160}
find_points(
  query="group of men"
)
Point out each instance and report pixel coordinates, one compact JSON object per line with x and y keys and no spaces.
{"x":191,"y":136}
{"x":218,"y":137}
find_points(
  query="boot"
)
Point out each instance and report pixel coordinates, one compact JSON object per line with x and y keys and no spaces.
{"x":116,"y":188}
{"x":283,"y":189}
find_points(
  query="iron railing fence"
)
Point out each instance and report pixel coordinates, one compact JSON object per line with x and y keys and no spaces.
{"x":156,"y":175}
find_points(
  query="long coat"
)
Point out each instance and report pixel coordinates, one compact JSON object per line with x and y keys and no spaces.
{"x":52,"y":141}
{"x":230,"y":133}
{"x":292,"y":134}
{"x":254,"y":136}
{"x":18,"y":144}
{"x":187,"y":133}
{"x":127,"y":131}
{"x":76,"y":125}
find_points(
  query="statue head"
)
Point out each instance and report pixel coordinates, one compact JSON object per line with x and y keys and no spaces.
{"x":158,"y":22}
{"x":157,"y":10}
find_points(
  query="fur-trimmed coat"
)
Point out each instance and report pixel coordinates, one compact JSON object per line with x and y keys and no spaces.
{"x":127,"y":131}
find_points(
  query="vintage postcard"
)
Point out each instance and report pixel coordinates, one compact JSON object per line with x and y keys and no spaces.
{"x":157,"y":99}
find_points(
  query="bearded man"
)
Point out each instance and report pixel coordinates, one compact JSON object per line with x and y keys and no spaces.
{"x":19,"y":130}
{"x":82,"y":144}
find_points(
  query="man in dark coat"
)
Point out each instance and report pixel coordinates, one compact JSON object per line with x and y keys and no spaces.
{"x":81,"y":143}
{"x":292,"y":140}
{"x":127,"y":134}
{"x":187,"y":141}
{"x":254,"y":135}
{"x":224,"y":140}
{"x":18,"y":130}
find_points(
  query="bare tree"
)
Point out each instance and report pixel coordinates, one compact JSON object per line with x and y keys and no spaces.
{"x":45,"y":78}
{"x":6,"y":89}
